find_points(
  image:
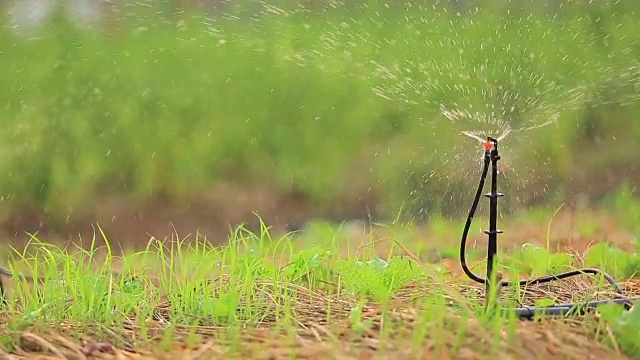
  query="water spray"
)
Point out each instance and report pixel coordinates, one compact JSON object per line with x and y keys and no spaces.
{"x":491,"y":157}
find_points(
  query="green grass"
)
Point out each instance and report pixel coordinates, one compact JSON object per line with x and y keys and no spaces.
{"x":260,"y":282}
{"x":325,"y":104}
{"x":254,"y":281}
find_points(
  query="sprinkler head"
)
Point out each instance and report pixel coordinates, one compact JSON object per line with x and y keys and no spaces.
{"x":488,"y":145}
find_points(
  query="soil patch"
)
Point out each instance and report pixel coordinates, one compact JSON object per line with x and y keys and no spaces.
{"x":130,"y":224}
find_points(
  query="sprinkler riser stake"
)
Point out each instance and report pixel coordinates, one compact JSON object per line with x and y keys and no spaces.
{"x":491,"y":156}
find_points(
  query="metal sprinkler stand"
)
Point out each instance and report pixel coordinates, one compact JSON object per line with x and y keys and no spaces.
{"x":491,"y":155}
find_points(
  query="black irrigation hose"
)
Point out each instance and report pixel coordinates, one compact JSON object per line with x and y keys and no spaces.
{"x":465,"y":232}
{"x":529,"y":312}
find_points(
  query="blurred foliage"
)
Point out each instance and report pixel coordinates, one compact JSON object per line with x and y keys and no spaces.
{"x":325,"y":103}
{"x":615,"y":261}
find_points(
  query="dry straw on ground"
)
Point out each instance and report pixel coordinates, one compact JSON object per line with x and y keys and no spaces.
{"x":312,"y":336}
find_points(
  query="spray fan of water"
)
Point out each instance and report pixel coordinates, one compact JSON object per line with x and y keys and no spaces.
{"x":471,"y":71}
{"x":481,"y":75}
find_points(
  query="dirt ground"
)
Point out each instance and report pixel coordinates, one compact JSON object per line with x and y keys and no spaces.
{"x":131,"y":224}
{"x":214,"y":214}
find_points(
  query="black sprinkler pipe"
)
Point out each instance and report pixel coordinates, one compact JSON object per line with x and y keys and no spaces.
{"x":492,"y":156}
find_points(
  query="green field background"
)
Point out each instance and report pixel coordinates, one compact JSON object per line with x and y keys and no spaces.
{"x":326,"y":103}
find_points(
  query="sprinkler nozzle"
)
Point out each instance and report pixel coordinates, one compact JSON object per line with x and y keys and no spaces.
{"x":488,"y":145}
